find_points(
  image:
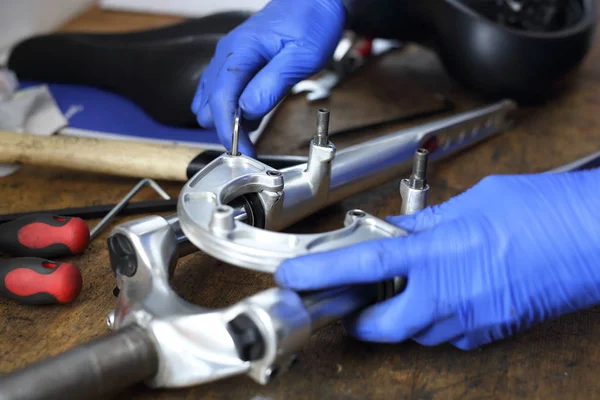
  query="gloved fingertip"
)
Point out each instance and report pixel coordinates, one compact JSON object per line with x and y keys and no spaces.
{"x":252,"y":105}
{"x":464,"y":344}
{"x":406,"y":222}
{"x":246,"y":145}
{"x":363,"y":326}
{"x":281,"y":276}
{"x":250,"y":151}
{"x":364,"y":335}
{"x":422,"y":220}
{"x":199,"y":96}
{"x":286,"y":275}
{"x":205,"y":119}
{"x":195,"y":104}
{"x":294,"y":274}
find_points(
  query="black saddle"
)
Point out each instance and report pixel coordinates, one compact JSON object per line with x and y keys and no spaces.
{"x":158,"y":69}
{"x":523,"y":49}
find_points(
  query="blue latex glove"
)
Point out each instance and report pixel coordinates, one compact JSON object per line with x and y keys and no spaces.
{"x":259,"y":61}
{"x":511,"y":252}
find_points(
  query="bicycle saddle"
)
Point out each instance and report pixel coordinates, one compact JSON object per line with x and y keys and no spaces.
{"x":523,"y":49}
{"x":158,"y":69}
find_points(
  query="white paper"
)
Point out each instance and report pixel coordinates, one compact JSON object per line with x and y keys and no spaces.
{"x":184,"y":8}
{"x":33,"y":111}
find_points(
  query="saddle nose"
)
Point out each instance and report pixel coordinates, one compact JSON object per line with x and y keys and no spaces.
{"x":157,"y":69}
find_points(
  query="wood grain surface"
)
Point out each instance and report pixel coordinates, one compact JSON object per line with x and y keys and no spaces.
{"x":112,"y":157}
{"x":555,"y":360}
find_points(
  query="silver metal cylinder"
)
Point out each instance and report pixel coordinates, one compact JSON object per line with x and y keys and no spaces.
{"x":322,"y":136}
{"x":588,"y":162}
{"x":413,"y":200}
{"x":329,"y":306}
{"x":418,"y":178}
{"x":235,"y":137}
{"x":93,"y":371}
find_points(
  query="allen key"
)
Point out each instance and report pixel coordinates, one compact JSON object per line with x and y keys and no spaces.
{"x":121,"y":204}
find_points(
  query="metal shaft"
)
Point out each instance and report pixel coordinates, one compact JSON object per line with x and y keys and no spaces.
{"x":121,"y":204}
{"x":93,"y":371}
{"x":415,"y":190}
{"x":235,"y":138}
{"x":588,"y":162}
{"x":418,"y":178}
{"x":375,"y":162}
{"x":322,"y":136}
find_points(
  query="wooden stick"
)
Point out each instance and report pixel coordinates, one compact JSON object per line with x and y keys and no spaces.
{"x":114,"y":157}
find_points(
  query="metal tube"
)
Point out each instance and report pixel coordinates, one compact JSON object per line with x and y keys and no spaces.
{"x":418,"y":178}
{"x":235,"y":137}
{"x":184,"y":246}
{"x":121,"y":204}
{"x":322,"y":136}
{"x":95,"y":370}
{"x":591,"y":161}
{"x":376,"y":162}
{"x":332,"y":305}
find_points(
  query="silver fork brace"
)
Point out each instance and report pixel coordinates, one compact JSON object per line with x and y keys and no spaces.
{"x":260,"y":335}
{"x":180,"y":344}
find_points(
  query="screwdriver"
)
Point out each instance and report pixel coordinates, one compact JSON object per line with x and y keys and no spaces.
{"x":45,"y":236}
{"x":36,"y":281}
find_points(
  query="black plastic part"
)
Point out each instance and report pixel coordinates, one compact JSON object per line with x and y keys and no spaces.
{"x":158,"y":69}
{"x":248,"y":340}
{"x":258,"y":211}
{"x":123,"y":259}
{"x":480,"y":49}
{"x":243,"y":202}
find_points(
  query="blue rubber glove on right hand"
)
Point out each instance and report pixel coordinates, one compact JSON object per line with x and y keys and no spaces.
{"x":511,"y":252}
{"x":258,"y":62}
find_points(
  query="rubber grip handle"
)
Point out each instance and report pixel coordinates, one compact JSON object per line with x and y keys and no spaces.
{"x":36,"y":281}
{"x":45,"y":236}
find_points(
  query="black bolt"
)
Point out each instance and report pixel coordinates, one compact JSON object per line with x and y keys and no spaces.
{"x":247,"y":338}
{"x":123,"y":259}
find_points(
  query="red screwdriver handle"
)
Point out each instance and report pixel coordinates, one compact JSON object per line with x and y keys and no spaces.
{"x":36,"y":281}
{"x":45,"y":236}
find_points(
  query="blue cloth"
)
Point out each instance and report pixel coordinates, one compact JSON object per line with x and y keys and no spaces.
{"x":107,"y":112}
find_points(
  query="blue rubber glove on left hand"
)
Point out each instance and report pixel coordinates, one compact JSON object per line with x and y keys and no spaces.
{"x":258,"y":62}
{"x":511,"y":252}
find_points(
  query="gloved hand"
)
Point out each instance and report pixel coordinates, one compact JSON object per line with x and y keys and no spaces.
{"x":259,"y":61}
{"x":511,"y":252}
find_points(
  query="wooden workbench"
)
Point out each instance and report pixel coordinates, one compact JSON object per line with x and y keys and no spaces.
{"x":556,"y":360}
